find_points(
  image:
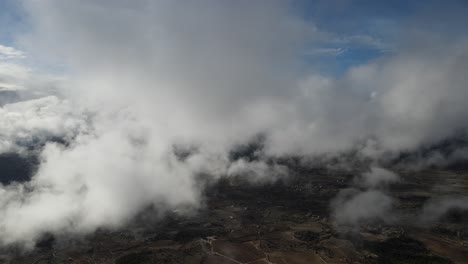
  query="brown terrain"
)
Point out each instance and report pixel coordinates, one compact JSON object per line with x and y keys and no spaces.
{"x":285,"y":222}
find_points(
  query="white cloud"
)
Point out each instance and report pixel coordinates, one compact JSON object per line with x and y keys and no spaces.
{"x":366,"y":41}
{"x":377,"y":178}
{"x":353,"y":208}
{"x":13,"y":76}
{"x":8,"y":53}
{"x":257,"y":171}
{"x":208,"y":74}
{"x":326,"y":51}
{"x":35,"y":121}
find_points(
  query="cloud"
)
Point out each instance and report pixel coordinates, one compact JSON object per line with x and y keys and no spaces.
{"x":189,"y":79}
{"x":36,"y":121}
{"x":366,"y":201}
{"x":377,"y":178}
{"x":12,"y":76}
{"x":353,"y":208}
{"x":32,"y":111}
{"x":257,"y":170}
{"x":366,"y":41}
{"x":8,"y":53}
{"x":435,"y":209}
{"x":326,"y":51}
{"x":17,"y":76}
{"x":208,"y":63}
{"x":207,"y":75}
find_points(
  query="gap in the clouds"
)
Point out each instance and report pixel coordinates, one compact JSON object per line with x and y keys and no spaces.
{"x":339,"y":64}
{"x":21,"y":166}
{"x":8,"y":97}
{"x":17,"y":168}
{"x":252,"y":150}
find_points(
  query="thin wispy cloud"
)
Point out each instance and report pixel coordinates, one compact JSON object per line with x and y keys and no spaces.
{"x":8,"y":53}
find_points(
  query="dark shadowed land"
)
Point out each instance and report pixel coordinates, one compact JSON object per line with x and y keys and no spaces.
{"x":286,"y":222}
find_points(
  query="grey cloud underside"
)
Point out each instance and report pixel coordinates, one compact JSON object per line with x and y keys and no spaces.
{"x":209,"y":75}
{"x":366,"y":201}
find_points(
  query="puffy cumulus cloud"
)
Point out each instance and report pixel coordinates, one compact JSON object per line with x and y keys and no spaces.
{"x":95,"y":183}
{"x":435,"y":209}
{"x":209,"y":75}
{"x":18,"y":81}
{"x":13,"y":76}
{"x":31,"y":122}
{"x":353,"y":208}
{"x":257,"y":170}
{"x":168,"y":74}
{"x":365,"y":202}
{"x":423,"y":99}
{"x":12,"y":73}
{"x":227,"y":71}
{"x":397,"y":103}
{"x":10,"y":53}
{"x":376,"y":178}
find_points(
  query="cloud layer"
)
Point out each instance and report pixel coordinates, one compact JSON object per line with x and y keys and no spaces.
{"x":207,"y":75}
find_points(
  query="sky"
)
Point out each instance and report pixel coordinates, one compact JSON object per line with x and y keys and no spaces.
{"x":12,"y":21}
{"x":359,"y":31}
{"x":129,"y":85}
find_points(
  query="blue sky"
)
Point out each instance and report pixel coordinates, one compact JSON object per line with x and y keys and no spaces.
{"x":372,"y":28}
{"x":11,"y":21}
{"x":367,"y":29}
